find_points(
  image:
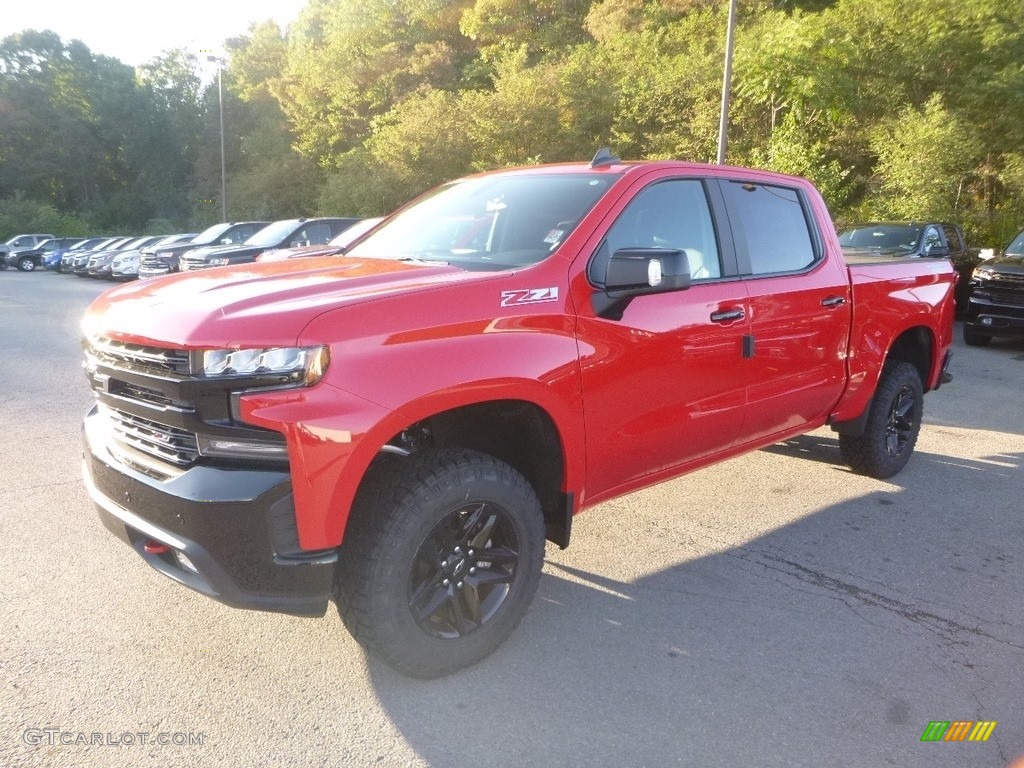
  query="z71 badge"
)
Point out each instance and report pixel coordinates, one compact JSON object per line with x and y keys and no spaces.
{"x":528,"y":296}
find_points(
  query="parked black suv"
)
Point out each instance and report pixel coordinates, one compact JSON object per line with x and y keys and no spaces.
{"x":995,"y":304}
{"x":164,"y":259}
{"x":916,"y":239}
{"x":29,"y":258}
{"x":289,"y":233}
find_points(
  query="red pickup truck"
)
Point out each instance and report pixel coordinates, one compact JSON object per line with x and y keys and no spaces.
{"x":401,"y":428}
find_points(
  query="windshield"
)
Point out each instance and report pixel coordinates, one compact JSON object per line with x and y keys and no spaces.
{"x":273,"y":234}
{"x":1016,"y":248}
{"x":355,"y":231}
{"x":210,"y":235}
{"x":489,"y":223}
{"x":901,"y":237}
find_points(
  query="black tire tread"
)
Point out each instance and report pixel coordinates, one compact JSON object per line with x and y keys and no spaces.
{"x":385,"y":510}
{"x":864,"y":453}
{"x":974,"y":338}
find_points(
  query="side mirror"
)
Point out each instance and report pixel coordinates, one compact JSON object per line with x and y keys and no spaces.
{"x":639,"y":271}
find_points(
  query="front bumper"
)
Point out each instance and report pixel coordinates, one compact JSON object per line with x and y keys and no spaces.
{"x":995,"y":317}
{"x":235,"y":527}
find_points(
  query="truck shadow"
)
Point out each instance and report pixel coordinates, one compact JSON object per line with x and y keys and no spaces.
{"x":832,"y":640}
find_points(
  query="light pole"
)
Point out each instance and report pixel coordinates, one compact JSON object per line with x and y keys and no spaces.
{"x":723,"y":120}
{"x":223,"y":166}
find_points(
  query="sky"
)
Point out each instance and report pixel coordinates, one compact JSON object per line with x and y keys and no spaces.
{"x":136,"y":31}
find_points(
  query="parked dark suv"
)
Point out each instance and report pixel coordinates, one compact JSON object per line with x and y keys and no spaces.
{"x":288,"y":233}
{"x":916,"y":239}
{"x":995,"y":304}
{"x":164,"y":259}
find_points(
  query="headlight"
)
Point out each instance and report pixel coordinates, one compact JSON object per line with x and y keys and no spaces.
{"x":218,"y":262}
{"x":310,"y":362}
{"x":981,"y":274}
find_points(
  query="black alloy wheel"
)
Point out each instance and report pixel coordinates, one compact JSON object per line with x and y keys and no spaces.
{"x":463,"y":571}
{"x":900,"y":428}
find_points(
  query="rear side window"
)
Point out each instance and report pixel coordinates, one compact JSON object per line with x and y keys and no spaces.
{"x":770,"y":224}
{"x":953,"y":238}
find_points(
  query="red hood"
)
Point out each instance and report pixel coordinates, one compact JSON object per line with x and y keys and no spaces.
{"x":266,"y":304}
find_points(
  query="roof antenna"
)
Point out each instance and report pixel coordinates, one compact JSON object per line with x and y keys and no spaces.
{"x":604,"y":157}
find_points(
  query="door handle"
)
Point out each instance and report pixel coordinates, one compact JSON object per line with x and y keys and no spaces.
{"x":833,"y":301}
{"x":726,"y":315}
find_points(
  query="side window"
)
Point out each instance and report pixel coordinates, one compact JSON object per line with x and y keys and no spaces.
{"x":770,"y":224}
{"x":932,"y":239}
{"x":953,"y":238}
{"x":671,"y":214}
{"x":314,"y":234}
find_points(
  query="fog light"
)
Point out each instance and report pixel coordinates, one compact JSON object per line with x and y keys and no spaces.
{"x":184,"y":562}
{"x":986,"y":321}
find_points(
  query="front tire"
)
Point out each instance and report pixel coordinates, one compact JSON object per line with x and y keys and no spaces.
{"x":974,"y":338}
{"x":893,"y":424}
{"x":441,"y":560}
{"x":26,"y":264}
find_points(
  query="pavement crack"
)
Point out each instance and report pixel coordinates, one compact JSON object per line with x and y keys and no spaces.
{"x":932,"y":622}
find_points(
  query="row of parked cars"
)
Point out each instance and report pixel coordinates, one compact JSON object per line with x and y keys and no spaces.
{"x":236,"y":242}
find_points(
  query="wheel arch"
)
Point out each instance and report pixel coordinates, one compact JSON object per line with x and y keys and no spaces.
{"x":520,"y":432}
{"x":916,"y":345}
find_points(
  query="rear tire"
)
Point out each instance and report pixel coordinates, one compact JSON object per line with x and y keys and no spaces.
{"x":893,"y":424}
{"x":441,"y":560}
{"x":975,"y":338}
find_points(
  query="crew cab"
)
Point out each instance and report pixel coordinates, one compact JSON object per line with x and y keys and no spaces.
{"x":401,"y":428}
{"x":289,"y":233}
{"x":996,"y":297}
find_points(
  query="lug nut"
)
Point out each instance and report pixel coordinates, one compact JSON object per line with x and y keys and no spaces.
{"x":445,"y":582}
{"x":472,"y":570}
{"x":444,"y":563}
{"x":458,"y":549}
{"x":471,"y":553}
{"x":459,"y":585}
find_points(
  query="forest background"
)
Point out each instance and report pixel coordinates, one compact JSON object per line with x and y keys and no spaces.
{"x":906,"y":109}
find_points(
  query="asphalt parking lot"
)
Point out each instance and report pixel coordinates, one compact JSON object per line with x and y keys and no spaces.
{"x":774,"y":610}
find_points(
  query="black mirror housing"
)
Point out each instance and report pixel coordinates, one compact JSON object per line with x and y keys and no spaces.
{"x":640,"y":271}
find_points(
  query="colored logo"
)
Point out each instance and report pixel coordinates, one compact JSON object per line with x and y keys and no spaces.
{"x":958,"y":730}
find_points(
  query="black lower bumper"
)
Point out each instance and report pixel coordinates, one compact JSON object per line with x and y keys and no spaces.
{"x":989,"y":317}
{"x":227,"y":533}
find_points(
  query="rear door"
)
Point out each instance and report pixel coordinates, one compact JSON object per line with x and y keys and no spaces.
{"x":800,"y":308}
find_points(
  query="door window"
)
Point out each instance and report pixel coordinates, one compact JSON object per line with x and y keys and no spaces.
{"x":770,"y":224}
{"x":671,"y":214}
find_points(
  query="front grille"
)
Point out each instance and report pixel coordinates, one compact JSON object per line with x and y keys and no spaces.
{"x":175,"y":446}
{"x":186,"y":263}
{"x":1006,"y":277}
{"x":152,"y":261}
{"x":1007,"y":297}
{"x":120,"y":354}
{"x":144,"y":394}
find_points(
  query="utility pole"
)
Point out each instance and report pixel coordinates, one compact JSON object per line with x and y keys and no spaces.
{"x":723,"y":121}
{"x":223,"y":165}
